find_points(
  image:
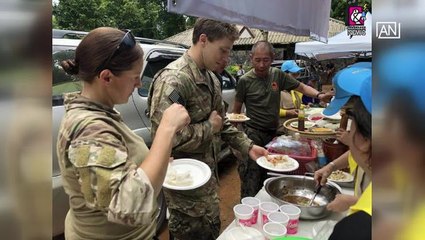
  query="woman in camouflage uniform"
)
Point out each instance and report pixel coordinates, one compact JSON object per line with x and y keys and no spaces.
{"x":111,"y":177}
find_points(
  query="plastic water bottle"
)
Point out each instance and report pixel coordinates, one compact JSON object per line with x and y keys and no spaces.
{"x":321,"y":158}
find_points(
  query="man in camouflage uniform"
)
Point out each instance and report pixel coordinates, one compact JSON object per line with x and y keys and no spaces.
{"x":195,"y":214}
{"x":259,"y":89}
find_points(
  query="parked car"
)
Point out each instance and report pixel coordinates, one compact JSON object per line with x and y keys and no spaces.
{"x":157,"y":55}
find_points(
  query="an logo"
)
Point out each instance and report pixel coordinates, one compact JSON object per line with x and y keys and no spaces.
{"x":355,"y":20}
{"x":388,"y":30}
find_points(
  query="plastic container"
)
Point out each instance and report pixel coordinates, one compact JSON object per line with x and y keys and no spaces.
{"x":331,"y":150}
{"x":302,"y":160}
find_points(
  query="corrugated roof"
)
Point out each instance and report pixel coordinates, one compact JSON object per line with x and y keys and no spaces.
{"x":335,"y":27}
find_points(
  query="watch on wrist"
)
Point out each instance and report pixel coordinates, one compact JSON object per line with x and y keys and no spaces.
{"x":333,"y":166}
{"x":318,"y":94}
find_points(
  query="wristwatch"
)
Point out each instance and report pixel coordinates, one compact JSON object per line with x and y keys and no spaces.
{"x":318,"y":94}
{"x":333,"y":166}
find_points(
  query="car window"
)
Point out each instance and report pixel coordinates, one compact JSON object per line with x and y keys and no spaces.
{"x":155,"y":62}
{"x":62,"y":82}
{"x":228,"y":81}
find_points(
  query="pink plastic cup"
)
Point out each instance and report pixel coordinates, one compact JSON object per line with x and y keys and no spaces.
{"x":293,"y":213}
{"x":243,"y":214}
{"x":266,"y":208}
{"x":255,"y":204}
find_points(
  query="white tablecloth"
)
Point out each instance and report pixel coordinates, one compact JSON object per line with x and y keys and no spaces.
{"x":305,"y":227}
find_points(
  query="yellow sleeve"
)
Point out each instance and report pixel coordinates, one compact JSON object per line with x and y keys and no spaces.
{"x":282,"y":112}
{"x":351,"y":163}
{"x":364,"y":203}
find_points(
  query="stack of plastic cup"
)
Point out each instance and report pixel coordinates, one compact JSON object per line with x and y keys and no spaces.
{"x":279,"y":217}
{"x":243,"y":214}
{"x":293,"y":213}
{"x":255,"y":204}
{"x":265,"y":209}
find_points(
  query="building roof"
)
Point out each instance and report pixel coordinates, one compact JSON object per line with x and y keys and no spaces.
{"x":249,"y":36}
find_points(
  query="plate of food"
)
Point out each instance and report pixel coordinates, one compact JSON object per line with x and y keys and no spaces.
{"x":186,"y":174}
{"x":315,"y":117}
{"x":307,"y":124}
{"x":339,"y":176}
{"x":322,"y":130}
{"x":278,"y":163}
{"x":237,"y":117}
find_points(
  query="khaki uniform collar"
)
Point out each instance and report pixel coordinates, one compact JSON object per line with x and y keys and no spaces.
{"x":76,"y":101}
{"x":200,"y":76}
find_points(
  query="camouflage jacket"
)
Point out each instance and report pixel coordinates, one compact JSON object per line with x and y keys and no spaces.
{"x":99,"y":158}
{"x":200,"y":92}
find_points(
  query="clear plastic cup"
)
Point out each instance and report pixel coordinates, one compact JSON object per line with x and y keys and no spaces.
{"x":274,"y":230}
{"x":266,"y":208}
{"x":293,"y":213}
{"x":255,"y":204}
{"x":279,"y":217}
{"x":243,"y":214}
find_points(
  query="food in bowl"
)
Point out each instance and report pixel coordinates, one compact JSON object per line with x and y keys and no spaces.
{"x":304,"y":186}
{"x":299,"y":200}
{"x":315,"y":117}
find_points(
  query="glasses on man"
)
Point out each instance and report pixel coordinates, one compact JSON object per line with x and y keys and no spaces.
{"x":126,"y":43}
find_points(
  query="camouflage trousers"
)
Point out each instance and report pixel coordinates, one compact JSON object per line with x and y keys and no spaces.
{"x":252,"y":176}
{"x":194,"y":214}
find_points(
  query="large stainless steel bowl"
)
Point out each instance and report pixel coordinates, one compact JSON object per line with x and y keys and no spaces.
{"x":303,"y":186}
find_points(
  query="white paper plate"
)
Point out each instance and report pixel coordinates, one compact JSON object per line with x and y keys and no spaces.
{"x":199,"y":171}
{"x":231,"y":118}
{"x":313,"y":110}
{"x":262,"y":161}
{"x":347,"y":178}
{"x":315,"y":115}
{"x":307,"y":124}
{"x":243,"y":233}
{"x":335,"y":117}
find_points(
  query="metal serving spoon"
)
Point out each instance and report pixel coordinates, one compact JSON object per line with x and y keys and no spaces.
{"x":315,"y":194}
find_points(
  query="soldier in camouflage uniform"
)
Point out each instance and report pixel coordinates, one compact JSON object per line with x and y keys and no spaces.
{"x":195,"y":214}
{"x":108,"y":172}
{"x":259,"y":89}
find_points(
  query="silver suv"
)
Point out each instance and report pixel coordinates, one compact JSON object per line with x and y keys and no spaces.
{"x":156,"y":57}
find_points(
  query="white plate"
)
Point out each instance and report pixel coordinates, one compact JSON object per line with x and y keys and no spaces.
{"x":347,"y":178}
{"x":315,"y":115}
{"x":307,"y":124}
{"x":199,"y":171}
{"x":312,"y":110}
{"x":243,"y":233}
{"x":335,"y":117}
{"x":232,"y":119}
{"x":262,"y":161}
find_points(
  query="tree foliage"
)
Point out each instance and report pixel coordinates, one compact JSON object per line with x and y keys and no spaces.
{"x":146,"y":18}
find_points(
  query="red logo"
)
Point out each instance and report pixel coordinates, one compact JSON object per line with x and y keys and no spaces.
{"x":274,"y":86}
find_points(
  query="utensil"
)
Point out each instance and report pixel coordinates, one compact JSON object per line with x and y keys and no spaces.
{"x":315,"y":194}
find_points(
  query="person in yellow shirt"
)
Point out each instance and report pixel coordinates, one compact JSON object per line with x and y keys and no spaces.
{"x":350,"y":83}
{"x":290,"y":101}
